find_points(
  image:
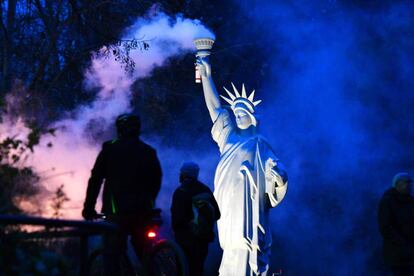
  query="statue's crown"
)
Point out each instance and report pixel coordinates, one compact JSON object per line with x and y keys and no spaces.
{"x":241,"y":101}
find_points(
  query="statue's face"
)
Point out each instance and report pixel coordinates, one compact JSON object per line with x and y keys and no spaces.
{"x":243,"y":119}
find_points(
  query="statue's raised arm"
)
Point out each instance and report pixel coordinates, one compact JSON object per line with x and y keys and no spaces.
{"x":210,"y":93}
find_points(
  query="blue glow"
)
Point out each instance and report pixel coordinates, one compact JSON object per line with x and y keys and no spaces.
{"x":338,"y":110}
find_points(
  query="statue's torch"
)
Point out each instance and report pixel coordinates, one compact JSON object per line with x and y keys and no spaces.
{"x":203,"y":46}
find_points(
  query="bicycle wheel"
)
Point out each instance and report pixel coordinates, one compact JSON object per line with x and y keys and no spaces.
{"x":96,"y":264}
{"x":167,"y":259}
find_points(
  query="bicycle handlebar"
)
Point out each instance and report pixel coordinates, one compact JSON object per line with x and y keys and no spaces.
{"x":154,"y":216}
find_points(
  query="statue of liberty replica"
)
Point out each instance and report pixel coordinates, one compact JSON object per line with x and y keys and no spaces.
{"x":249,"y":179}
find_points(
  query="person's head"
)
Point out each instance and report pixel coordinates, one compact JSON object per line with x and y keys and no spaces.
{"x":403,"y":183}
{"x":243,"y":107}
{"x":189,"y":170}
{"x":128,"y":125}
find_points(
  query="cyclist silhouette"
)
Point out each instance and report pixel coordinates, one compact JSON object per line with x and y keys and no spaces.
{"x":131,"y":173}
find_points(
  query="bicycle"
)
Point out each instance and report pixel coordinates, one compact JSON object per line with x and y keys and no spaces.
{"x":161,"y":257}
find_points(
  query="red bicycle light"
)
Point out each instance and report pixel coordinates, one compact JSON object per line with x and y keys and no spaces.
{"x":151,"y":234}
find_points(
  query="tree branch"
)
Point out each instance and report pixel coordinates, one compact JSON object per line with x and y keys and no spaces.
{"x":53,"y":35}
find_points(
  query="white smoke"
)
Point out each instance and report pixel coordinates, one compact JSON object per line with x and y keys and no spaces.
{"x":72,"y":155}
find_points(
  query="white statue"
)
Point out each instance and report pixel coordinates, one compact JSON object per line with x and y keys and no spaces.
{"x":249,"y":180}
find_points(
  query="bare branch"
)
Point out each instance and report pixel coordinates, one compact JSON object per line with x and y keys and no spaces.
{"x":53,"y":35}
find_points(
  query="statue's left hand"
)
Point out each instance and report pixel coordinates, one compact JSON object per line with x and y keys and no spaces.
{"x":271,"y":175}
{"x":276,"y":186}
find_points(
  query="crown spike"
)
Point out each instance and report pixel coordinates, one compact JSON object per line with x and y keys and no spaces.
{"x":235,"y":91}
{"x":244,"y":95}
{"x":251,"y":97}
{"x":227,"y":100}
{"x":257,"y":102}
{"x":229,"y":93}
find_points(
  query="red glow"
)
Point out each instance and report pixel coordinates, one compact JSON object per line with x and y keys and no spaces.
{"x":151,"y":234}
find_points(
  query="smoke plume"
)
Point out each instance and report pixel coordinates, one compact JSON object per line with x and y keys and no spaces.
{"x":72,"y":155}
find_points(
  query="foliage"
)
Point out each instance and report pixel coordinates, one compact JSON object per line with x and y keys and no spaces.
{"x":58,"y":200}
{"x":18,"y":183}
{"x":121,"y":51}
{"x":13,"y":149}
{"x":47,"y":46}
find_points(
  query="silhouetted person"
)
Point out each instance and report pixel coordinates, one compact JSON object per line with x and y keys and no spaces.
{"x":132,"y":175}
{"x":396,"y":221}
{"x":194,"y":212}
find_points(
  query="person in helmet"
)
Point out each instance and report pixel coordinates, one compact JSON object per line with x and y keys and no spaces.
{"x":131,"y":175}
{"x":396,"y":222}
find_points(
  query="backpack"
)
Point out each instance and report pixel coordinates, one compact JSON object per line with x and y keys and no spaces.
{"x":204,"y":216}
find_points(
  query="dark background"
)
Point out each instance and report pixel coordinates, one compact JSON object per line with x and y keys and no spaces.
{"x":335,"y":77}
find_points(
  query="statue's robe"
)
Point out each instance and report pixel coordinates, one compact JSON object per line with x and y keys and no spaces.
{"x":245,"y":193}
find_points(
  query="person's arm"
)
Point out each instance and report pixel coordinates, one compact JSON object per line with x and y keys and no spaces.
{"x":156,"y":175}
{"x":210,"y":93}
{"x":94,"y":186}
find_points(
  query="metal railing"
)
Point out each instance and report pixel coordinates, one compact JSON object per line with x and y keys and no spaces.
{"x":73,"y":228}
